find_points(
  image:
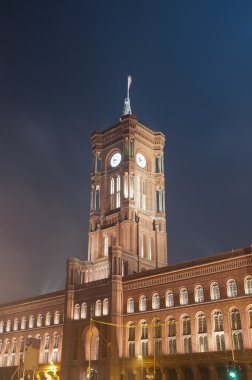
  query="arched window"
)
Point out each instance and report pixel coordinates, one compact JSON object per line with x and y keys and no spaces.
{"x":248,"y":285}
{"x":149,"y":248}
{"x":118,"y":191}
{"x":55,"y":348}
{"x":23,"y":323}
{"x":14,"y":346}
{"x":183,"y":296}
{"x":15,"y":324}
{"x":218,"y":321}
{"x":144,"y":339}
{"x":77,"y":311}
{"x":48,"y":319}
{"x":130,"y":305}
{"x":157,"y":329}
{"x":1,"y":327}
{"x":172,"y":344}
{"x":39,"y":320}
{"x":98,"y":308}
{"x":155,"y":301}
{"x":8,"y":326}
{"x":22,"y":345}
{"x":235,"y":317}
{"x":143,"y":303}
{"x":131,"y":340}
{"x":46,"y":349}
{"x":250,"y":317}
{"x":199,"y":294}
{"x":171,"y":327}
{"x":158,"y":338}
{"x":231,"y":288}
{"x":105,"y":309}
{"x":169,"y":299}
{"x":202,"y":325}
{"x":215,"y":291}
{"x":31,"y":322}
{"x":84,"y":310}
{"x":186,"y":325}
{"x":56,"y":318}
{"x":105,"y":245}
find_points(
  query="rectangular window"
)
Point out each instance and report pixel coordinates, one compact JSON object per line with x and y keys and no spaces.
{"x":118,"y":191}
{"x":126,"y":186}
{"x":131,"y":148}
{"x":149,"y":248}
{"x":158,"y":347}
{"x":98,"y":164}
{"x":144,"y":192}
{"x":97,"y":199}
{"x":145,"y":349}
{"x":157,"y":164}
{"x":158,"y":205}
{"x":131,"y":349}
{"x":138,"y":193}
{"x":172,"y":346}
{"x":131,"y":186}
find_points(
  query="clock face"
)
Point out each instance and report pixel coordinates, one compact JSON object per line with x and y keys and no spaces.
{"x":115,"y":159}
{"x":140,"y":159}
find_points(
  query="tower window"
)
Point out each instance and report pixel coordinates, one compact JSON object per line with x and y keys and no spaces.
{"x":131,"y":186}
{"x":97,"y":198}
{"x":157,"y":164}
{"x":118,"y":191}
{"x":126,"y":186}
{"x":131,"y":150}
{"x":158,"y":201}
{"x":112,"y":192}
{"x":149,"y":248}
{"x":105,"y":245}
{"x":138,"y":198}
{"x":142,"y":245}
{"x":144,"y":192}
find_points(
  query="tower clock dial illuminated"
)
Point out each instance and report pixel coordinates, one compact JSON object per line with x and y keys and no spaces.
{"x":115,"y":159}
{"x":141,"y":161}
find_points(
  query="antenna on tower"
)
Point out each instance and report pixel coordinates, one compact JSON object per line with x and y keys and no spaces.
{"x":127,"y":109}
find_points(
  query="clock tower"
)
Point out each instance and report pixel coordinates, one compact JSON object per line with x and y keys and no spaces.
{"x":127,"y":213}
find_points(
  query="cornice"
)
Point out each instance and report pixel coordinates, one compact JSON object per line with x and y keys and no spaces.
{"x":184,"y":274}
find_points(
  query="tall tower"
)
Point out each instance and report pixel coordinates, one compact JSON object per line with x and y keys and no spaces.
{"x":127,"y":213}
{"x":127,"y":225}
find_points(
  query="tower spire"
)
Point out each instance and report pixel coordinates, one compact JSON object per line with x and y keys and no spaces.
{"x":127,"y":108}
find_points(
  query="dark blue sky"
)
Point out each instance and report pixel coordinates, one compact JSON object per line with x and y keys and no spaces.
{"x":63,"y":71}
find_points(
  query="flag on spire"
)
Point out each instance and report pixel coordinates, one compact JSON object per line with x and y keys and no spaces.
{"x":129,"y":81}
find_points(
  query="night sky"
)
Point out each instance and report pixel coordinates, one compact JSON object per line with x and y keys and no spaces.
{"x":63,"y":71}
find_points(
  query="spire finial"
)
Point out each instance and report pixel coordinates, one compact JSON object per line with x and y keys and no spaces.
{"x":127,"y":109}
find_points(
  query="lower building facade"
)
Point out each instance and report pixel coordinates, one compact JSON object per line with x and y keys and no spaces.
{"x":191,"y":321}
